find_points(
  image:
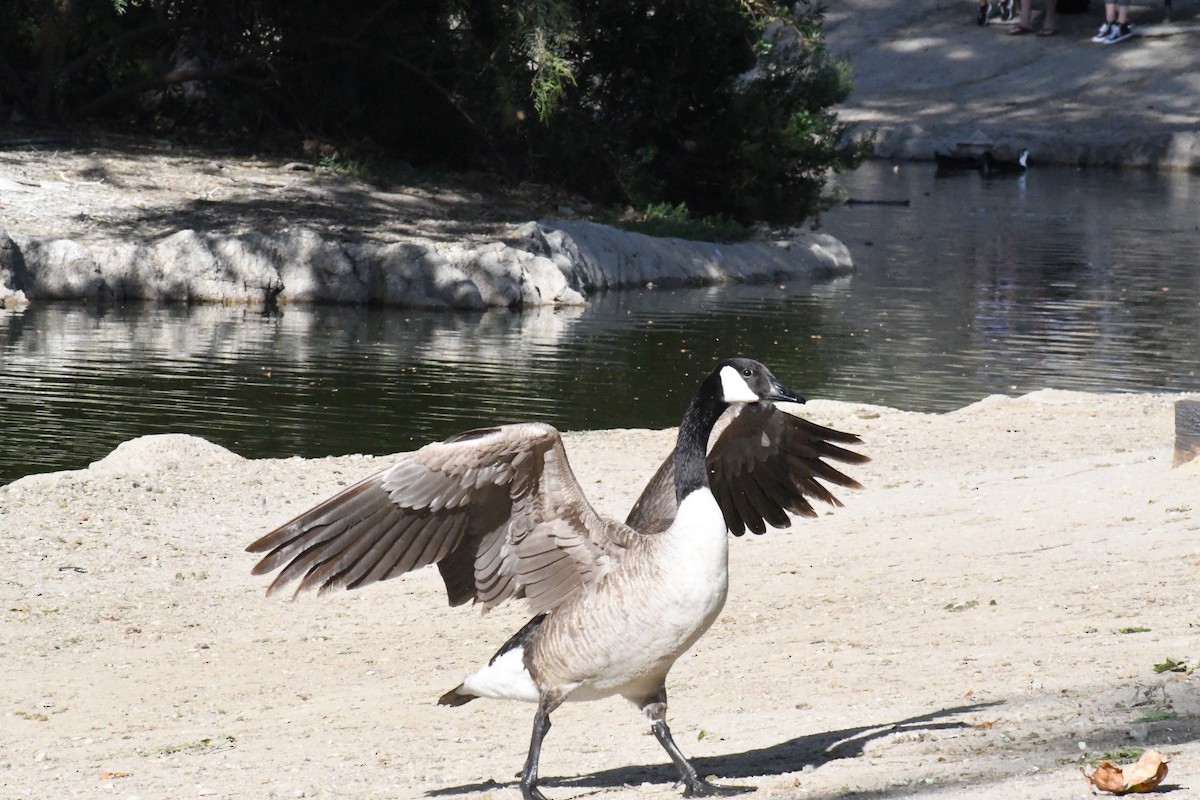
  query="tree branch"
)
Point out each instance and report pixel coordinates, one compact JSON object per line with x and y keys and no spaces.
{"x":172,"y":78}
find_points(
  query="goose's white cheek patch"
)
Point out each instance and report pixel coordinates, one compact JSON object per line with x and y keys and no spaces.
{"x":735,"y":388}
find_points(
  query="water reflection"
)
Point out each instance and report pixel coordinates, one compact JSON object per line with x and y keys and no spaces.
{"x":1060,"y":279}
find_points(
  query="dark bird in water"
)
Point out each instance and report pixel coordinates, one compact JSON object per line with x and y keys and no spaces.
{"x":615,"y":604}
{"x":986,"y":162}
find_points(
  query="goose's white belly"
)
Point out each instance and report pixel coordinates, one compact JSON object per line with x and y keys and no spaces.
{"x":623,"y":634}
{"x":645,"y":619}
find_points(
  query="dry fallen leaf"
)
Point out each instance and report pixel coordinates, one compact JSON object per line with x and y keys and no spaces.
{"x":1141,"y":776}
{"x":1107,"y":778}
{"x":1145,"y":773}
{"x":104,"y":776}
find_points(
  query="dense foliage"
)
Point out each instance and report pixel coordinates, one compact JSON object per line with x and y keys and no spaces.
{"x":722,"y":105}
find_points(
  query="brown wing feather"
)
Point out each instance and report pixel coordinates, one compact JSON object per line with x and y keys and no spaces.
{"x":498,"y":510}
{"x":657,"y":501}
{"x":774,"y":460}
{"x":762,"y":462}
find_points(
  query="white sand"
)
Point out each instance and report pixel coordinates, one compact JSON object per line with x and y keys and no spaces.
{"x":954,"y":631}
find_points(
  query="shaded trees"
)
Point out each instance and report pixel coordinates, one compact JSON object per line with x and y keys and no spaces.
{"x":720,"y":104}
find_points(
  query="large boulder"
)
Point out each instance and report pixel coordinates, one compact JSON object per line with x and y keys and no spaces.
{"x":598,"y":257}
{"x":552,"y":263}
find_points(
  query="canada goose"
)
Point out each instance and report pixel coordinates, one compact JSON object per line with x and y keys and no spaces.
{"x":501,"y":514}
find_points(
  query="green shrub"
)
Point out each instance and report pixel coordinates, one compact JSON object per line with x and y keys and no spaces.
{"x":664,"y":219}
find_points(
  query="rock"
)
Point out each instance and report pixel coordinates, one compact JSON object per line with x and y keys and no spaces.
{"x":10,"y":299}
{"x":598,"y":257}
{"x":58,"y":269}
{"x":12,"y":263}
{"x":165,"y":452}
{"x":555,"y":263}
{"x":312,"y":269}
{"x":193,"y":267}
{"x":1183,"y":150}
{"x":12,"y":273}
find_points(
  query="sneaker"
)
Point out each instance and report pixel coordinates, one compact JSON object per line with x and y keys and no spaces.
{"x":1120,"y":33}
{"x":1105,"y":31}
{"x":982,"y":18}
{"x":1006,"y":10}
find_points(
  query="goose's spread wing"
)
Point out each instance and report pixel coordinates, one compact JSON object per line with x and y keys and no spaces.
{"x":768,"y":462}
{"x":657,"y":505}
{"x":763,"y":463}
{"x":498,"y":510}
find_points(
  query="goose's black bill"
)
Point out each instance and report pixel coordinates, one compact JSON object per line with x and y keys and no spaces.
{"x":782,"y":394}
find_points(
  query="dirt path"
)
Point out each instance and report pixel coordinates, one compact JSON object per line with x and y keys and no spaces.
{"x":925,"y":75}
{"x":128,"y":189}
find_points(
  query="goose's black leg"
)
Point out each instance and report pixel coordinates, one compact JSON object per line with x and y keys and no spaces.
{"x":529,"y":775}
{"x":694,"y":785}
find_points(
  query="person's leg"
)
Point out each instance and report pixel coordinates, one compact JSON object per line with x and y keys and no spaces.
{"x":1110,"y":19}
{"x":1024,"y":21}
{"x":1121,"y":30}
{"x":1050,"y":21}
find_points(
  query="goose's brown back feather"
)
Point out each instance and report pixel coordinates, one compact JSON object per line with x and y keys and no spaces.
{"x":498,"y":510}
{"x":763,"y":463}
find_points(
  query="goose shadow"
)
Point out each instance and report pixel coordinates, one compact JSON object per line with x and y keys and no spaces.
{"x":791,"y":756}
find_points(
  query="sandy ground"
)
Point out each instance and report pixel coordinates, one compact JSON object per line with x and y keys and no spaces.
{"x":984,"y":615}
{"x":105,"y":187}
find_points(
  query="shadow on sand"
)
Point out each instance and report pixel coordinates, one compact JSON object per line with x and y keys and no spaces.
{"x":790,"y":756}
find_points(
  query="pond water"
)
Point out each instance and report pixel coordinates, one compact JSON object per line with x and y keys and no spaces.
{"x":1064,"y":279}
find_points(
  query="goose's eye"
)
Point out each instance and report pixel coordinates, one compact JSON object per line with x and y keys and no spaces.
{"x":746,"y":372}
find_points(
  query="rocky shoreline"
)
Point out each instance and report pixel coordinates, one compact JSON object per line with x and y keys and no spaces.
{"x":555,"y":263}
{"x":111,"y":220}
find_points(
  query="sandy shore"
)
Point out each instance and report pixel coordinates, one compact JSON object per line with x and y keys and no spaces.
{"x":985,"y":614}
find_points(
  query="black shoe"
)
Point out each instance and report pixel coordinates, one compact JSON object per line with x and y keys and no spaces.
{"x":1120,"y":33}
{"x":1006,"y":10}
{"x":982,"y":18}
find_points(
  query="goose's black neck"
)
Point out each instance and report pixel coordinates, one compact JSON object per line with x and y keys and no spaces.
{"x":691,"y":469}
